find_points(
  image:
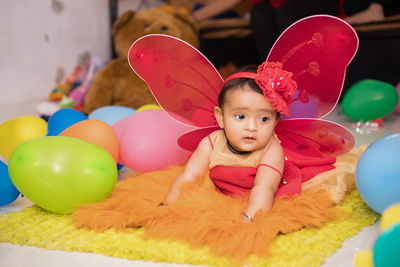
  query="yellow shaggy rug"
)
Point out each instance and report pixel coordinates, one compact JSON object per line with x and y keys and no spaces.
{"x":36,"y":227}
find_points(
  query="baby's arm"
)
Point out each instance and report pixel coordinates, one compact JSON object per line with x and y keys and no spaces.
{"x":214,"y":8}
{"x":267,"y":180}
{"x":196,"y":166}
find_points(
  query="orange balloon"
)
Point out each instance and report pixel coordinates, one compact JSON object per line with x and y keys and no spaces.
{"x":96,"y":132}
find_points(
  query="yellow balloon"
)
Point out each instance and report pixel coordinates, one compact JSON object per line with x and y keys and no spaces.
{"x":148,"y":107}
{"x":363,"y":259}
{"x":390,"y":216}
{"x":18,"y":130}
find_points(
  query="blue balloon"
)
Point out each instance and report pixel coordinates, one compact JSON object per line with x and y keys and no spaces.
{"x":111,"y":114}
{"x":8,"y":192}
{"x":119,"y":166}
{"x":378,"y":173}
{"x":62,"y":119}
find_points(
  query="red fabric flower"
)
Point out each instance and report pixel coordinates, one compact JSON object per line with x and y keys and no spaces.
{"x":277,"y":85}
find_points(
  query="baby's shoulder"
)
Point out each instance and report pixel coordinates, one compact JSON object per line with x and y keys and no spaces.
{"x":273,"y":151}
{"x":210,"y":139}
{"x":215,"y":133}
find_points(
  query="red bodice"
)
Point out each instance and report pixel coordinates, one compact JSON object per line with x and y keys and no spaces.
{"x":234,"y":181}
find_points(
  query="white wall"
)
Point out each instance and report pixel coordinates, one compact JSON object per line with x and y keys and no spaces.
{"x":41,"y":39}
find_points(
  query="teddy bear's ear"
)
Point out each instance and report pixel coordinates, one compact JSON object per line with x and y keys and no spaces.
{"x":180,"y":13}
{"x":122,"y":20}
{"x":184,"y":15}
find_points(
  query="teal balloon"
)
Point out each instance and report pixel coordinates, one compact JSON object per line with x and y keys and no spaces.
{"x":59,"y":173}
{"x":387,"y":248}
{"x":369,"y":100}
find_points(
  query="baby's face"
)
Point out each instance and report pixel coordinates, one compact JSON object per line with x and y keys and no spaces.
{"x":248,"y":119}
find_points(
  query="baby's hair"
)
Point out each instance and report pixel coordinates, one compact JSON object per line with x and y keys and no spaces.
{"x":239,"y":83}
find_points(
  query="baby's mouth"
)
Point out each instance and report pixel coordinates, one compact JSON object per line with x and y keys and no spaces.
{"x":249,"y":138}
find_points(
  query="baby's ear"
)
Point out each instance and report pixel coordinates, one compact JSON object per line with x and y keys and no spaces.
{"x":219,"y":117}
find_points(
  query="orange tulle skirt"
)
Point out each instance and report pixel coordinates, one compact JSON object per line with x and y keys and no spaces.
{"x":202,"y":216}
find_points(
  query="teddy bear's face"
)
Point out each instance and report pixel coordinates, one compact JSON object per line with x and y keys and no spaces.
{"x":160,"y":22}
{"x":152,"y":21}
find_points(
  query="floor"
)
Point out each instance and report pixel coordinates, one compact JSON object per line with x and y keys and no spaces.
{"x":18,"y":256}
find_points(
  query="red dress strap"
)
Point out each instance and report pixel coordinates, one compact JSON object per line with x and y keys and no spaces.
{"x":269,"y":166}
{"x":211,"y":142}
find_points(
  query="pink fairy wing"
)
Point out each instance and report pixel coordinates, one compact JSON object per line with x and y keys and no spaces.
{"x":182,"y":80}
{"x":316,"y":50}
{"x":314,"y":137}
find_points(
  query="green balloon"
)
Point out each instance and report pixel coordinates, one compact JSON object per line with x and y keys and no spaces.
{"x":369,"y":100}
{"x":59,"y":173}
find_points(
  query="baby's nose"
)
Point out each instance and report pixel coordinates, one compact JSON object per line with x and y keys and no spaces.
{"x":251,"y":125}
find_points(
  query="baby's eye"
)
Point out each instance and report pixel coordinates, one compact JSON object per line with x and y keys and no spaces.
{"x":264,"y":119}
{"x":239,"y":116}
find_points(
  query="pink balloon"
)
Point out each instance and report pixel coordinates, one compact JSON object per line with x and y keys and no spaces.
{"x":149,"y":141}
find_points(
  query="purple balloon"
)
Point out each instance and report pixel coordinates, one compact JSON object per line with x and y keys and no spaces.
{"x":298,"y":109}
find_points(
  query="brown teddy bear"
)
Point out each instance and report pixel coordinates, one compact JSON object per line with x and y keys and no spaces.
{"x":116,"y":83}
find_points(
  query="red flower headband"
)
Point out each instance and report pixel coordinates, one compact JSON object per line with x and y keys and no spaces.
{"x":277,"y":84}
